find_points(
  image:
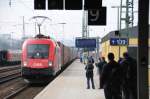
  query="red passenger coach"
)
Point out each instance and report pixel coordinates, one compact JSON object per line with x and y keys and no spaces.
{"x":41,"y":57}
{"x":10,"y":57}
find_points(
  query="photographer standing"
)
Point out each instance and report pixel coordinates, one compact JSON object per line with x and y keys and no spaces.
{"x":89,"y":74}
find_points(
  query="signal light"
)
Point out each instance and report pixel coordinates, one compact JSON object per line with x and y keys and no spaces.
{"x":39,"y":4}
{"x":55,"y":4}
{"x":73,"y":4}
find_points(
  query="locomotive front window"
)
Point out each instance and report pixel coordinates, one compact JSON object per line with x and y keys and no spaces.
{"x":38,"y":51}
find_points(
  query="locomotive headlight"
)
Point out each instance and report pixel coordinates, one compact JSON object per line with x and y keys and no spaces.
{"x":50,"y":63}
{"x":25,"y":63}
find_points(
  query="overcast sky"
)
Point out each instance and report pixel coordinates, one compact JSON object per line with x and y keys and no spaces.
{"x":11,"y":20}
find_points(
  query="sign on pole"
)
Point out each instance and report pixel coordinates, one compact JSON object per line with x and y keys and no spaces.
{"x":97,"y":17}
{"x":85,"y":42}
{"x":118,"y":41}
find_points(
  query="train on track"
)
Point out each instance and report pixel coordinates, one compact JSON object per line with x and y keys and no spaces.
{"x":43,"y":58}
{"x":10,"y":57}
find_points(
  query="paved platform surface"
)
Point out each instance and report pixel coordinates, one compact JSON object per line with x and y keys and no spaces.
{"x":71,"y":84}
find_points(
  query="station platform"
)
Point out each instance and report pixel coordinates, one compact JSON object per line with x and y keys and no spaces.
{"x":71,"y":84}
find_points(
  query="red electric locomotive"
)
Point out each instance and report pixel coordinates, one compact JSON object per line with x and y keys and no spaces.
{"x":41,"y":57}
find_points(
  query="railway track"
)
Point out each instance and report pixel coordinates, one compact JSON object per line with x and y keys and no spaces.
{"x":9,"y":73}
{"x":25,"y":90}
{"x":9,"y":68}
{"x":14,"y":93}
{"x":9,"y":77}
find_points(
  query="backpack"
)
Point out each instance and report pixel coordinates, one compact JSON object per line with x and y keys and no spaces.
{"x":89,"y":67}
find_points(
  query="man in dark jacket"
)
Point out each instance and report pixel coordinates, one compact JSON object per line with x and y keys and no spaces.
{"x":111,"y":79}
{"x":129,"y":85}
{"x":89,"y":74}
{"x":100,"y":66}
{"x":91,"y":59}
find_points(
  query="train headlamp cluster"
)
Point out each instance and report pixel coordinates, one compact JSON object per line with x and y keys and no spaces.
{"x":25,"y":63}
{"x":49,"y":63}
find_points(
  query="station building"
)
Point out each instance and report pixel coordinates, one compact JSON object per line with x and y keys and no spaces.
{"x":131,"y":35}
{"x":131,"y":47}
